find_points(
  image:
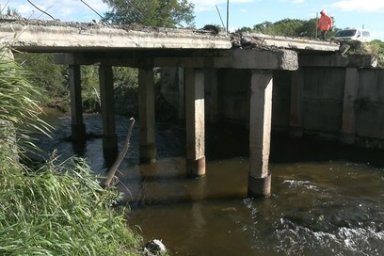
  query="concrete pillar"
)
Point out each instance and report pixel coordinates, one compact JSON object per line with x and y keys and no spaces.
{"x":147,"y":115}
{"x":181,"y":86}
{"x":108,"y":114}
{"x":296,"y":111}
{"x":259,"y":179}
{"x":212,"y":87}
{"x":78,"y":127}
{"x":350,"y":93}
{"x":195,"y":124}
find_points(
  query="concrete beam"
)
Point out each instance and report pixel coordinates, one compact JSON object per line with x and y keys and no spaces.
{"x":55,"y":36}
{"x":237,"y":59}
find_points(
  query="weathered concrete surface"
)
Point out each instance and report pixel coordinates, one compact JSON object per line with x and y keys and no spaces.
{"x":56,"y":36}
{"x":53,"y":36}
{"x":334,"y":102}
{"x":234,"y":58}
{"x":237,"y":59}
{"x":337,"y":60}
{"x":255,"y":40}
{"x":369,"y":104}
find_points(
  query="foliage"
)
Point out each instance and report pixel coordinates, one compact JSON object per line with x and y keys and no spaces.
{"x":287,"y":27}
{"x":376,"y":47}
{"x":60,"y":210}
{"x":19,"y":99}
{"x":45,"y":74}
{"x":9,"y":12}
{"x":90,"y":88}
{"x":126,"y":90}
{"x":52,"y":80}
{"x":159,"y":13}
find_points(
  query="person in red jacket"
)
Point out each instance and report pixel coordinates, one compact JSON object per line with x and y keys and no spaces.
{"x":324,"y":24}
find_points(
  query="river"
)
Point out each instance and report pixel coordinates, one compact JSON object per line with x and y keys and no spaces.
{"x":327,"y":198}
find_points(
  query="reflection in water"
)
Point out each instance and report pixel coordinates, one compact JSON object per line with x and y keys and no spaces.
{"x":326,"y":199}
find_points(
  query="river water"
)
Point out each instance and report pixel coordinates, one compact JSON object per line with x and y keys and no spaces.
{"x":327,"y":199}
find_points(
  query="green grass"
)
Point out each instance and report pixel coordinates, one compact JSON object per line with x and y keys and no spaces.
{"x":58,"y":209}
{"x":63,"y":212}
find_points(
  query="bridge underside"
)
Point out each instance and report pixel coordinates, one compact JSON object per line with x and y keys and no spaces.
{"x":199,"y":53}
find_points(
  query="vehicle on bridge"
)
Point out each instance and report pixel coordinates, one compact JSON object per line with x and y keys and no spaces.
{"x":353,"y":34}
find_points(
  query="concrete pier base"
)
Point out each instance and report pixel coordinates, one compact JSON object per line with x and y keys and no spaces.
{"x":259,"y":187}
{"x":196,"y":168}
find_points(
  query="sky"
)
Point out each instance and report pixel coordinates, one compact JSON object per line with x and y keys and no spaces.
{"x":366,"y":14}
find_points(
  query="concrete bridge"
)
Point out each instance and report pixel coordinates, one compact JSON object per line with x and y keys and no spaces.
{"x":200,"y":53}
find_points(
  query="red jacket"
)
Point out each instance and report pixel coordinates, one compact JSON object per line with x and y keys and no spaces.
{"x":325,"y":22}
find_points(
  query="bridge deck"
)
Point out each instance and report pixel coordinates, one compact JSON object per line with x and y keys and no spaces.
{"x":56,"y":36}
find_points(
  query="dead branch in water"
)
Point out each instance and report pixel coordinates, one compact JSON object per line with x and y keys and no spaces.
{"x":112,"y":171}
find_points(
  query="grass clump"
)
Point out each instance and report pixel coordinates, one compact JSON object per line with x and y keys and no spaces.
{"x":60,"y":210}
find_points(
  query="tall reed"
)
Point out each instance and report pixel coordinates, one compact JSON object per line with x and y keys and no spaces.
{"x":58,"y":209}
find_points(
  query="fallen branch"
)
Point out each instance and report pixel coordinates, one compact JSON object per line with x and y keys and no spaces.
{"x":112,"y":171}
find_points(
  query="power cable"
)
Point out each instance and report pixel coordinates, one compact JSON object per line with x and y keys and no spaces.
{"x":90,"y":7}
{"x":41,"y":10}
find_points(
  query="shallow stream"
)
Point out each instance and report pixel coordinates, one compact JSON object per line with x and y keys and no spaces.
{"x":327,"y":199}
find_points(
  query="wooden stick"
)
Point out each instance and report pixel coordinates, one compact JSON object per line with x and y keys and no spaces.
{"x":112,"y":171}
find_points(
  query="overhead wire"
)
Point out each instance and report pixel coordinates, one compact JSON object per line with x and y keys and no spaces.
{"x":46,"y":13}
{"x":93,"y":9}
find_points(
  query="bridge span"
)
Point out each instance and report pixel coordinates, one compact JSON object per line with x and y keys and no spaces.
{"x":200,"y":53}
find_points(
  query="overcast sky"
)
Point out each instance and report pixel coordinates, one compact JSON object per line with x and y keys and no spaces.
{"x":347,"y":13}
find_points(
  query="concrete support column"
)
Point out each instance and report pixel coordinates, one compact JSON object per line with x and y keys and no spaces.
{"x":212,"y":87}
{"x":147,"y":115}
{"x":259,"y":179}
{"x":195,"y":124}
{"x":351,"y":87}
{"x":108,"y":114}
{"x":78,"y":127}
{"x":296,"y":111}
{"x":181,"y":86}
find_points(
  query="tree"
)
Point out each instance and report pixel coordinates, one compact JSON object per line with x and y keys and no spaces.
{"x":158,"y":13}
